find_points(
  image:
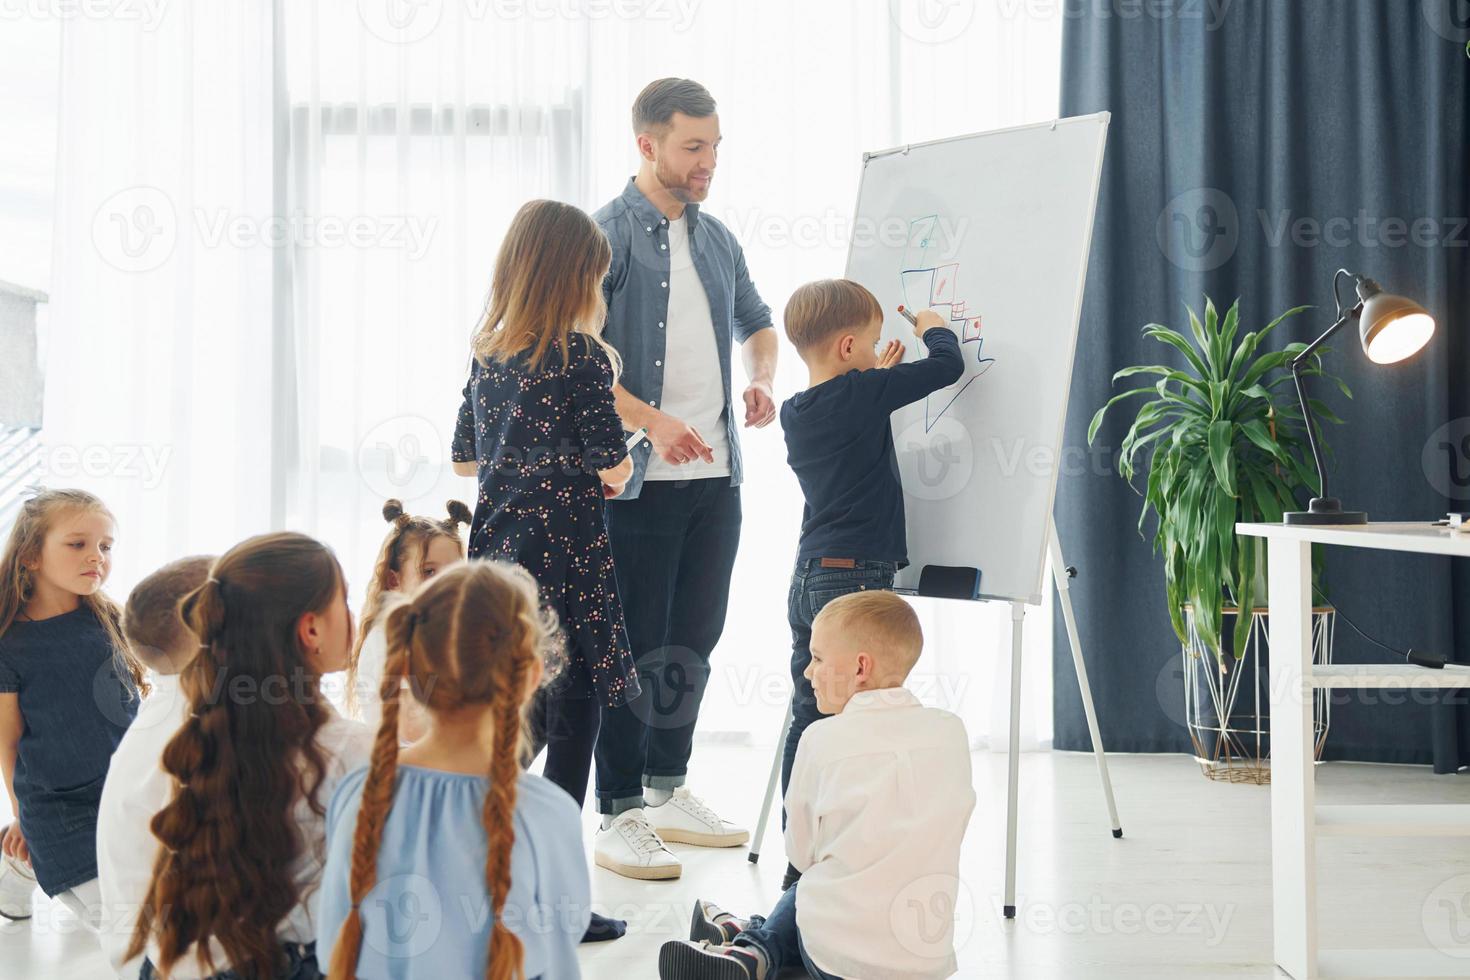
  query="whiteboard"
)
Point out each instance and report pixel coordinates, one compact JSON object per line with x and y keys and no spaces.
{"x":991,"y":230}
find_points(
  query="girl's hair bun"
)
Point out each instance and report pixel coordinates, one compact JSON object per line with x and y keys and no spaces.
{"x":459,"y":512}
{"x":392,"y":510}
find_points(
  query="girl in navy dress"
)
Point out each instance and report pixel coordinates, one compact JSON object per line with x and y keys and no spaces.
{"x":539,"y":430}
{"x":69,"y":687}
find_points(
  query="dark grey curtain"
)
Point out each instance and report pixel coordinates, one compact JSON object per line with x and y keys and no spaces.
{"x":1255,"y":147}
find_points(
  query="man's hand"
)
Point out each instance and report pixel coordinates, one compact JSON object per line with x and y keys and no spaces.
{"x":892,"y":354}
{"x":760,"y":405}
{"x":677,"y":442}
{"x":927,"y":320}
{"x":14,"y":843}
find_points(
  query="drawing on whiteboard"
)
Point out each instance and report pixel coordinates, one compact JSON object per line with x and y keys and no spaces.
{"x":926,"y":285}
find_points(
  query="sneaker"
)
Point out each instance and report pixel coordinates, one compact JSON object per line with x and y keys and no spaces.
{"x":17,"y":885}
{"x":633,"y":849}
{"x":683,"y":960}
{"x":714,"y":925}
{"x":686,"y":819}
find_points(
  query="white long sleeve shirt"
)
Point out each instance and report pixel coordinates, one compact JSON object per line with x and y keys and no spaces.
{"x":137,"y":787}
{"x":877,"y":807}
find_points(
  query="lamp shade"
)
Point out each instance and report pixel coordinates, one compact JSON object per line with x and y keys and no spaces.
{"x":1393,"y":328}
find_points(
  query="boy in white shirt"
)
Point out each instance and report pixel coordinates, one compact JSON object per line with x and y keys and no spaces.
{"x":879,"y":800}
{"x":136,"y":786}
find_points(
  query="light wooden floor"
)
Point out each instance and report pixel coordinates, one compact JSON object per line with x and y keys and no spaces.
{"x":1186,"y":893}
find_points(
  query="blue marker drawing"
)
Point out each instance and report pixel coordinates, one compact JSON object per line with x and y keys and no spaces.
{"x":935,"y":286}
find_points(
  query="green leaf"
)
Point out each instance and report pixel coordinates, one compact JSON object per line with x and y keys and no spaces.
{"x":1174,"y":339}
{"x":1222,"y":456}
{"x":1097,"y":419}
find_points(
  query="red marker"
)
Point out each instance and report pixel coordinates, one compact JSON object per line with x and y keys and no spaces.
{"x":908,"y":316}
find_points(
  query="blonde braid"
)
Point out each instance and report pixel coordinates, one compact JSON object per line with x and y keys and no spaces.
{"x":507,"y":954}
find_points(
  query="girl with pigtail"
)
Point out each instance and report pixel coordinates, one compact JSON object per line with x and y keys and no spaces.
{"x":414,"y":551}
{"x":69,"y":688}
{"x":445,"y":859}
{"x":243,"y":837}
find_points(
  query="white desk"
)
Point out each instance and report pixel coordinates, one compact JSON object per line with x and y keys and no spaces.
{"x":1296,"y":819}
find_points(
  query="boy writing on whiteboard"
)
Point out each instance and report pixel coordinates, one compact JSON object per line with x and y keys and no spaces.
{"x":839,"y":442}
{"x":879,"y":801}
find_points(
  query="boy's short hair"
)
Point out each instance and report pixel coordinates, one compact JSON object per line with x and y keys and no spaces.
{"x":151,"y":620}
{"x":822,"y":309}
{"x":881,"y":622}
{"x":653,"y":110}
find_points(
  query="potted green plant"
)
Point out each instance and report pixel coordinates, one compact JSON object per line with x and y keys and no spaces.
{"x":1218,"y":443}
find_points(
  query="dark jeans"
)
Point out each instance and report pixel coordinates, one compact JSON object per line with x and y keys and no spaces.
{"x":812,"y":587}
{"x":674,"y":550}
{"x":300,"y":965}
{"x":567,"y":729}
{"x":778,"y":938}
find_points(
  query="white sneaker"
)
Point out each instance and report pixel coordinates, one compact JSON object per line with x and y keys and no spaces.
{"x":17,"y":885}
{"x":686,"y":819}
{"x":633,"y":849}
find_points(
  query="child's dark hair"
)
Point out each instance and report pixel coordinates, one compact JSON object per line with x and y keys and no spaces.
{"x":407,"y":541}
{"x":471,"y":636}
{"x":242,"y":759}
{"x":38,"y":513}
{"x":822,"y":309}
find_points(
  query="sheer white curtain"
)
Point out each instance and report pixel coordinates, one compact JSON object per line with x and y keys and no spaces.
{"x":406,"y":135}
{"x":158,"y":390}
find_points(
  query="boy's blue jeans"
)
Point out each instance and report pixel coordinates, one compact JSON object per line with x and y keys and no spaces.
{"x":778,"y":939}
{"x":814,"y":583}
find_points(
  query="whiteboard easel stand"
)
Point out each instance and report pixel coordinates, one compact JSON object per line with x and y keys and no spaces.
{"x":1062,"y":575}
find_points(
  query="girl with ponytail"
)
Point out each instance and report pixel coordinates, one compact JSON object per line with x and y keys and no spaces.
{"x":444,"y":859}
{"x":415,"y":550}
{"x":69,"y":688}
{"x":259,"y":754}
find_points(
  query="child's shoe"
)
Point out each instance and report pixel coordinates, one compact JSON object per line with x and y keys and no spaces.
{"x":714,"y":925}
{"x":17,"y":885}
{"x":681,"y":960}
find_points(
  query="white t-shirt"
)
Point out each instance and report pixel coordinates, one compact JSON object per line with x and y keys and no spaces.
{"x":879,"y":800}
{"x":694,"y":387}
{"x":137,"y":788}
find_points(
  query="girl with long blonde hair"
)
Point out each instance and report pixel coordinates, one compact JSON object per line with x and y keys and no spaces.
{"x":444,"y":859}
{"x":69,"y":688}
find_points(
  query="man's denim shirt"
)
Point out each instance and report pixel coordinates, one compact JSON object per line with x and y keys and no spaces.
{"x":637,"y":293}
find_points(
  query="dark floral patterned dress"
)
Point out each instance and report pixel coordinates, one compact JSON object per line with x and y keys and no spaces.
{"x":539,"y":439}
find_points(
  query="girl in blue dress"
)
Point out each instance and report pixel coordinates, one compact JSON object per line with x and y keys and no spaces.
{"x":444,"y":859}
{"x":69,"y":688}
